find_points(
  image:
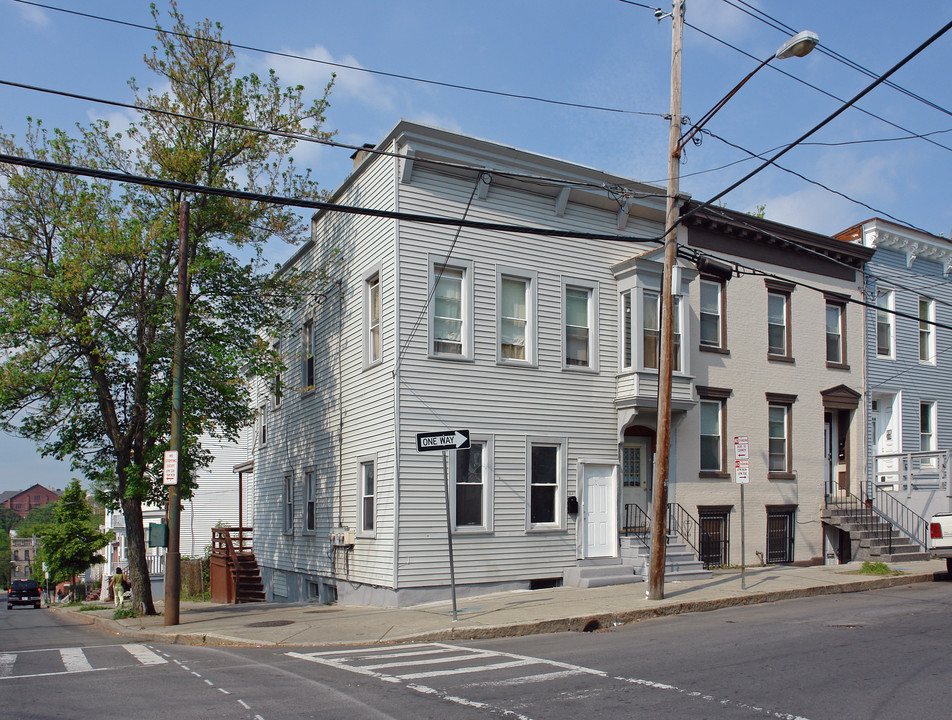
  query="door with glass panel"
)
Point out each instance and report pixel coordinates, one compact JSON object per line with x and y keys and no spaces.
{"x":635,"y":483}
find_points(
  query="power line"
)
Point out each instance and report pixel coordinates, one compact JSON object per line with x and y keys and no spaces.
{"x":193,"y":188}
{"x":355,"y":68}
{"x":836,"y":113}
{"x":611,"y":188}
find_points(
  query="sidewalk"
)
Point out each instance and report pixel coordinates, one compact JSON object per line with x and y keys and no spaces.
{"x":498,"y":615}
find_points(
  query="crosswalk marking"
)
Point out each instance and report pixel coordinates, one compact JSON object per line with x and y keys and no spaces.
{"x":74,"y":660}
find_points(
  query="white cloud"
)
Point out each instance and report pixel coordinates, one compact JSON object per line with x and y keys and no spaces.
{"x":33,"y":15}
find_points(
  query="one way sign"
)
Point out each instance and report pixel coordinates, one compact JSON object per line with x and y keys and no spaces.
{"x":444,"y":440}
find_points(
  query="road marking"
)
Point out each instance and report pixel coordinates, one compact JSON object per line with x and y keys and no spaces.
{"x":525,"y":679}
{"x":245,"y":705}
{"x":468,"y":669}
{"x":144,"y":655}
{"x":465,"y":702}
{"x":74,"y":660}
{"x":6,"y":663}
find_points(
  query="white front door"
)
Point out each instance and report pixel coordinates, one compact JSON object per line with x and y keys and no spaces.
{"x":598,"y":511}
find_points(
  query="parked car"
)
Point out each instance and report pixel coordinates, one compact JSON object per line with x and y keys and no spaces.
{"x":23,"y":592}
{"x":940,"y":538}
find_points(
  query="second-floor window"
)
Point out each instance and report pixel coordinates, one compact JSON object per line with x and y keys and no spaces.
{"x":777,"y":309}
{"x":307,"y":364}
{"x":926,"y":335}
{"x":835,"y":333}
{"x":578,"y":322}
{"x":927,"y":426}
{"x":451,"y":314}
{"x":884,"y":323}
{"x":712,"y":314}
{"x":373,"y":318}
{"x":651,"y":332}
{"x":515,"y":308}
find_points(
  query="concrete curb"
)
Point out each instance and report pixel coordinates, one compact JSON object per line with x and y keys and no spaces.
{"x":591,"y":622}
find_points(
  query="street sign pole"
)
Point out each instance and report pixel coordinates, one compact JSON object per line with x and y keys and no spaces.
{"x":742,"y":477}
{"x":743,"y":542}
{"x":449,"y":528}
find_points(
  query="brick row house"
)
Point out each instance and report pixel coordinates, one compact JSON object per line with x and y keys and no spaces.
{"x":545,"y":349}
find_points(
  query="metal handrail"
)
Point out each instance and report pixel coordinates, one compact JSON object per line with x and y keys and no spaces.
{"x":901,"y":517}
{"x":687,"y":527}
{"x":637,"y":523}
{"x":863,"y":513}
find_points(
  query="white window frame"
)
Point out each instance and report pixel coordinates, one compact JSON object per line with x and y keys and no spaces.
{"x":626,"y":340}
{"x":840,"y":335}
{"x":885,"y":317}
{"x":720,"y":288}
{"x":718,"y":404}
{"x":263,"y":412}
{"x":591,"y":288}
{"x":787,"y":461}
{"x":678,"y":358}
{"x":277,"y":391}
{"x":486,"y":444}
{"x":436,"y":265}
{"x":287,"y":499}
{"x":373,"y":331}
{"x":927,"y":433}
{"x":307,"y":356}
{"x":926,"y":330}
{"x":561,"y":444}
{"x":309,"y":522}
{"x":362,"y":496}
{"x":530,"y":278}
{"x":785,"y":325}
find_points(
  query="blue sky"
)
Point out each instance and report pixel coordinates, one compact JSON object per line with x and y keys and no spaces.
{"x":606,"y":53}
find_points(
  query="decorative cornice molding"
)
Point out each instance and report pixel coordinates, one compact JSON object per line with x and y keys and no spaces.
{"x":938,"y":250}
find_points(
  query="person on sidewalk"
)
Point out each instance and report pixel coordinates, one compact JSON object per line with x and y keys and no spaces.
{"x":118,"y":583}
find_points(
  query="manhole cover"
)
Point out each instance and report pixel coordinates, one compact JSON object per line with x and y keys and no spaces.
{"x":271,"y":623}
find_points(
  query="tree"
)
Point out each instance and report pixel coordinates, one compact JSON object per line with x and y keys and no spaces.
{"x":71,"y":544}
{"x":87,"y":282}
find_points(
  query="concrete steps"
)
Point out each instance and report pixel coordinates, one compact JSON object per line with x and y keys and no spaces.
{"x":599,"y":572}
{"x":873,"y":543}
{"x":632,"y":566}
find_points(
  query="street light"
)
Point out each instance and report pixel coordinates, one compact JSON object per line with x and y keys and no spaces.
{"x":797,"y":46}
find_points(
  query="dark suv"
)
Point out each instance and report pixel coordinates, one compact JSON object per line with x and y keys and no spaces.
{"x":23,"y":592}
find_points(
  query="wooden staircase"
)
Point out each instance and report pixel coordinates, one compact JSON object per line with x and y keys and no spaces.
{"x":235,"y":577}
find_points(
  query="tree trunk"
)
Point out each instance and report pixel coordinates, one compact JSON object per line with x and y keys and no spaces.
{"x":138,"y":568}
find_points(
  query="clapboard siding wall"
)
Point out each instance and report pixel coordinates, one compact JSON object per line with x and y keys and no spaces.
{"x":504,"y":402}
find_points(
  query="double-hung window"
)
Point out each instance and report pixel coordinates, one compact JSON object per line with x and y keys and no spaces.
{"x":372,"y":347}
{"x":627,"y":349}
{"x":927,"y":426}
{"x":310,"y":501}
{"x":546,"y":473}
{"x":712,"y":315}
{"x":276,"y":389}
{"x":885,"y":331}
{"x":366,"y":496}
{"x":472,"y":488}
{"x":515,"y":316}
{"x":778,"y":320}
{"x":779,"y":436}
{"x":307,"y":351}
{"x":926,"y":334}
{"x":288,"y":499}
{"x":651,"y":331}
{"x":713,"y":430}
{"x":835,"y":332}
{"x":579,"y":323}
{"x":451,"y":320}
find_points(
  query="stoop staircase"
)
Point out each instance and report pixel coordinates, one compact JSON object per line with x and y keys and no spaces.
{"x":632,"y":566}
{"x":872,"y":537}
{"x":235,"y":577}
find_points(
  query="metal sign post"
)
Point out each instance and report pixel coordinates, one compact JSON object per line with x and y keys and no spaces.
{"x":742,"y":477}
{"x":445,"y":440}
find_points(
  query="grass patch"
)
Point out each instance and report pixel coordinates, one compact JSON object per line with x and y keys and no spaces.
{"x":124,"y":612}
{"x":87,"y":608}
{"x":877,"y":568}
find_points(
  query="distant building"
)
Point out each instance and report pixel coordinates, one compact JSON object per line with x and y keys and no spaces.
{"x":22,"y":555}
{"x":22,"y":501}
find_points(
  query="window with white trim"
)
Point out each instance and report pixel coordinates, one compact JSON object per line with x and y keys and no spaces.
{"x":578,"y":336}
{"x":712,"y":316}
{"x":835,"y":333}
{"x":263,"y":424}
{"x":778,"y":311}
{"x":472,"y":488}
{"x":885,"y":324}
{"x":651,"y":331}
{"x":712,"y":435}
{"x":372,"y":319}
{"x":780,"y":436}
{"x":546,"y":484}
{"x":926,"y":334}
{"x":367,"y":497}
{"x":627,"y":331}
{"x":288,"y":499}
{"x":310,"y":501}
{"x":515,"y":316}
{"x":307,"y":354}
{"x":276,"y":389}
{"x":451,"y":320}
{"x":927,"y":427}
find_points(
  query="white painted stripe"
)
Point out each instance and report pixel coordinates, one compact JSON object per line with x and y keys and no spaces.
{"x":74,"y":660}
{"x":341,"y":666}
{"x":525,"y":679}
{"x":470,"y":669}
{"x":50,"y":674}
{"x":222,"y":690}
{"x":438,"y":651}
{"x":209,"y":683}
{"x":413,"y":647}
{"x":467,"y":703}
{"x":243,"y":704}
{"x":144,"y":655}
{"x":6,"y":664}
{"x":432,"y":661}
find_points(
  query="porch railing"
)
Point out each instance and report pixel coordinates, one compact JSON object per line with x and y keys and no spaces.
{"x":901,"y":516}
{"x":907,"y":472}
{"x":637,"y":523}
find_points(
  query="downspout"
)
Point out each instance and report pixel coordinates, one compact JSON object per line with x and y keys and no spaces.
{"x":396,"y":377}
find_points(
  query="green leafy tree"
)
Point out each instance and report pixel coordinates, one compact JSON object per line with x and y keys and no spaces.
{"x":8,"y":519}
{"x":87,"y":281}
{"x":37,"y":518}
{"x":72,"y":543}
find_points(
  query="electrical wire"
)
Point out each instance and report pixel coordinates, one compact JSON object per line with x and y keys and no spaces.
{"x":343,"y":66}
{"x":612,"y":188}
{"x":122,"y":177}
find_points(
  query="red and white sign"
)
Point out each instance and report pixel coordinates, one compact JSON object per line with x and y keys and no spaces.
{"x":741,"y":459}
{"x":170,"y":468}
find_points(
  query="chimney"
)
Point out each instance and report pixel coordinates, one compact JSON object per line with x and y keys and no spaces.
{"x":359,"y":156}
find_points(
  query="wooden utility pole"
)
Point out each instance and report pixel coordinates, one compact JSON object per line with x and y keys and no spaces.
{"x":659,"y":495}
{"x":173,"y":576}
